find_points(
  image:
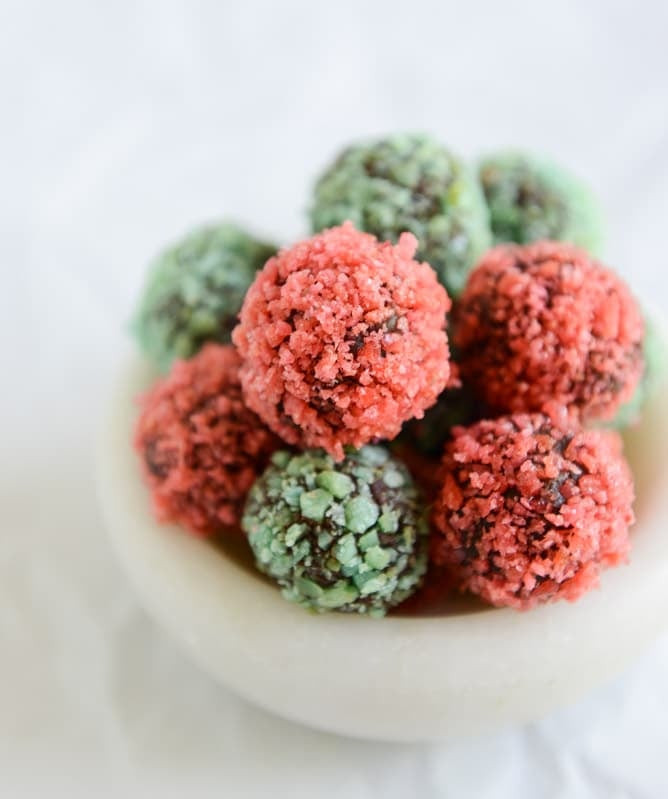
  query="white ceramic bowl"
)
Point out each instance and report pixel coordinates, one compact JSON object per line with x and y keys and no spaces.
{"x":463,"y":670}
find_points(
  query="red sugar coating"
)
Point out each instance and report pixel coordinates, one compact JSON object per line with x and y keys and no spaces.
{"x":201,"y":447}
{"x":343,"y":339}
{"x":532,"y":508}
{"x":547,"y":322}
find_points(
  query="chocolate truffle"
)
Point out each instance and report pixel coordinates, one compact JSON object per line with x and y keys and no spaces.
{"x":201,"y":447}
{"x":408,"y":183}
{"x":194,"y":291}
{"x":545,"y":322}
{"x":343,"y":339}
{"x":531,"y":199}
{"x":348,"y":536}
{"x":532,"y":508}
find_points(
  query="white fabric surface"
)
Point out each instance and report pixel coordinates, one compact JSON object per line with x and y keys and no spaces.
{"x":125,"y":123}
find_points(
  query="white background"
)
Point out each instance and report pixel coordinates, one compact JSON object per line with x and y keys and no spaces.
{"x":124,"y":123}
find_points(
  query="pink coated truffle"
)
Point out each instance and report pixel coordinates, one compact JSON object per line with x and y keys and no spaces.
{"x":343,"y":339}
{"x":200,"y":446}
{"x":546,"y":322}
{"x":532,"y":508}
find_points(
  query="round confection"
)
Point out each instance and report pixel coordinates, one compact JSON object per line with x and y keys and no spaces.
{"x":200,"y":446}
{"x":343,"y":339}
{"x":408,"y":183}
{"x":348,"y":536}
{"x":531,"y":199}
{"x":194,"y":291}
{"x":532,"y":509}
{"x":545,"y":322}
{"x":656,"y":361}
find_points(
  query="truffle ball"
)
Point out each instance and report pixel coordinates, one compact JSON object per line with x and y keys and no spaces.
{"x":532,"y":509}
{"x":408,"y":183}
{"x":531,"y":199}
{"x":343,"y":339}
{"x":194,"y":291}
{"x":201,"y":448}
{"x":349,"y":536}
{"x":545,"y":322}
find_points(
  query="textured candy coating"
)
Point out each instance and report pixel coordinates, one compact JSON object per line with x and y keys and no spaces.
{"x":201,"y":447}
{"x":349,"y":536}
{"x":545,"y":322}
{"x":408,"y":183}
{"x":194,"y":291}
{"x":343,"y":339}
{"x":532,"y":509}
{"x":531,"y":199}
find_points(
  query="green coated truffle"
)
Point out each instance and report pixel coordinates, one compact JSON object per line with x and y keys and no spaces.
{"x":531,"y":199}
{"x":194,"y":291}
{"x":408,"y":183}
{"x":349,"y":536}
{"x":656,"y":366}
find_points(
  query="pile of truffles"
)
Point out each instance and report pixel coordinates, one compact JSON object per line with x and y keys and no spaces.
{"x":390,"y":408}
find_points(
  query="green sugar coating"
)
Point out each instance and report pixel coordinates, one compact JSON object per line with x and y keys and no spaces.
{"x":656,"y":363}
{"x":349,"y":536}
{"x":194,"y":291}
{"x":531,"y":199}
{"x":408,"y":183}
